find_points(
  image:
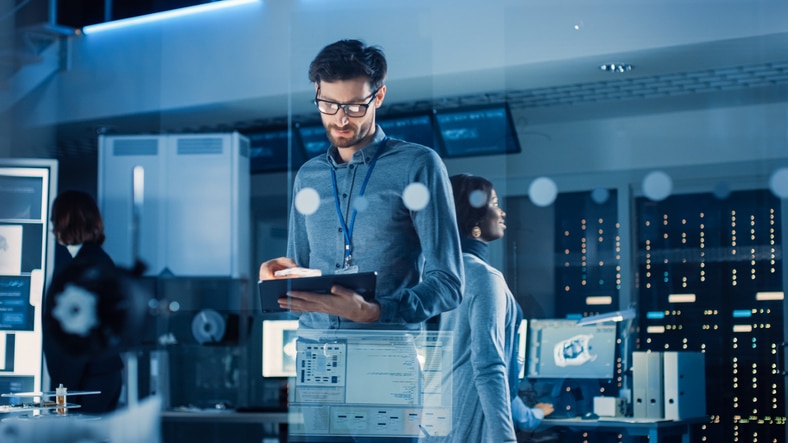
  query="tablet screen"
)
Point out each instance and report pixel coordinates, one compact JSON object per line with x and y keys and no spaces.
{"x":270,"y":290}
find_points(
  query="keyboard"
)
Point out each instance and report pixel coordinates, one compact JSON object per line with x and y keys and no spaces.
{"x":561,"y":416}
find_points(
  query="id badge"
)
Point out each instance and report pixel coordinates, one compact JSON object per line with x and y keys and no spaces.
{"x":348,"y":270}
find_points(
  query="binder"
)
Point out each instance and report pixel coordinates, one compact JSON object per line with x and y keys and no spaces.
{"x":684,"y":385}
{"x":647,"y":385}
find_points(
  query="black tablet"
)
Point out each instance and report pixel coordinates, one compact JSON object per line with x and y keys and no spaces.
{"x":270,"y":290}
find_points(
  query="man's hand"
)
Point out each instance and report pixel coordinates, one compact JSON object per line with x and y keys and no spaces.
{"x":547,"y":408}
{"x":267,"y":268}
{"x":341,"y":302}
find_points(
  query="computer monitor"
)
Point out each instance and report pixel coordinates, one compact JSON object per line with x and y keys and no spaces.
{"x":481,"y":130}
{"x":560,"y":349}
{"x":522,"y":346}
{"x":279,"y":348}
{"x":415,"y":128}
{"x":313,"y":139}
{"x":274,"y":150}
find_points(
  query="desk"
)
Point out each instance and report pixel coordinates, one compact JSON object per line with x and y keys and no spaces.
{"x":230,"y":417}
{"x":654,"y":429}
{"x":226,"y":417}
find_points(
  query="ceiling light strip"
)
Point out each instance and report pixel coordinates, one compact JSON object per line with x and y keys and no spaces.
{"x":165,"y":15}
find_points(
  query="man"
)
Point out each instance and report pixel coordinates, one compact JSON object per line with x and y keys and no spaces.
{"x":363,"y":220}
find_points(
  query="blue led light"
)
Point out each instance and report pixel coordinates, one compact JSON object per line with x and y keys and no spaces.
{"x":742,"y":313}
{"x":165,"y":15}
{"x":655,"y":315}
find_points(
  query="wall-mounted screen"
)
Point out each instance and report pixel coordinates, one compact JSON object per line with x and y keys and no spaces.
{"x":417,"y":128}
{"x":485,"y":130}
{"x":279,"y":348}
{"x":273,"y":151}
{"x":313,"y":139}
{"x":412,"y":128}
{"x":559,"y":349}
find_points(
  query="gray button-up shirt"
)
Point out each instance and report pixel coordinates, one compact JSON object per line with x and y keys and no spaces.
{"x":416,"y":253}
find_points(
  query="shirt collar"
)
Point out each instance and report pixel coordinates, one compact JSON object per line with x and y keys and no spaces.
{"x":475,"y":247}
{"x":74,"y":249}
{"x":365,"y":154}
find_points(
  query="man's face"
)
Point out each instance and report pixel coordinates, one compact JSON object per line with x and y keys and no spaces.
{"x":342,"y":130}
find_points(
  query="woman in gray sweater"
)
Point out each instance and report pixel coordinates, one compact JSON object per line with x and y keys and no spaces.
{"x":484,"y":325}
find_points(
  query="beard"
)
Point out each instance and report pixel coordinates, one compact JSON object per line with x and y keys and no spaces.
{"x":357,"y":135}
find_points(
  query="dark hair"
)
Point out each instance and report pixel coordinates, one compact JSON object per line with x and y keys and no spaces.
{"x":76,"y":218}
{"x":349,"y":59}
{"x":470,"y":213}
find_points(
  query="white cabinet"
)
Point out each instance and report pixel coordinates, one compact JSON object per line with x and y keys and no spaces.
{"x":194,"y":218}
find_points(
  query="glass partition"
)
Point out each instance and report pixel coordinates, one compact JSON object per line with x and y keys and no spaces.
{"x":650,"y":174}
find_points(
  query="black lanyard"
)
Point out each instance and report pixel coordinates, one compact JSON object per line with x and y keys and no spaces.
{"x":348,"y":230}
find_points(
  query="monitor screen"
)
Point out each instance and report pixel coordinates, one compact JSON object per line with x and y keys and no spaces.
{"x":522,"y":345}
{"x":27,"y":252}
{"x":368,"y":383}
{"x":313,"y":139}
{"x":279,"y":348}
{"x":559,"y":349}
{"x":486,"y":130}
{"x":273,"y":151}
{"x":412,"y":128}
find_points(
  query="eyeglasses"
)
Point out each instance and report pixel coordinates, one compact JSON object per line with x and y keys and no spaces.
{"x":351,"y":109}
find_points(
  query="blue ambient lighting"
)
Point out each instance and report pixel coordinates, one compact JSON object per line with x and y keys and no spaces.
{"x":205,"y":7}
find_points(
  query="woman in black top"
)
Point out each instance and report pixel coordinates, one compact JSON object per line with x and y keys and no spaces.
{"x":78,"y":225}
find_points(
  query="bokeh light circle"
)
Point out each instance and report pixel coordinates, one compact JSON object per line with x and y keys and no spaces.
{"x":543,"y":191}
{"x":722,"y":190}
{"x":600,"y":195}
{"x":416,"y":196}
{"x":307,"y":201}
{"x":657,"y":185}
{"x":360,"y":203}
{"x":778,"y":183}
{"x":477,"y":199}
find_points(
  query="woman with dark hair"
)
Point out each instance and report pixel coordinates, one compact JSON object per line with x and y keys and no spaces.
{"x":484,"y":325}
{"x":78,"y":226}
{"x":76,"y":221}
